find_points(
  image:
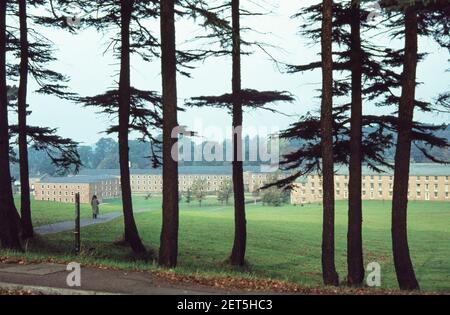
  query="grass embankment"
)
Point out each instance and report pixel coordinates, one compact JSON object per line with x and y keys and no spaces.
{"x":284,"y":243}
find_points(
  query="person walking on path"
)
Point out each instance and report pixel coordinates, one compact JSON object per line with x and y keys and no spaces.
{"x":94,"y":205}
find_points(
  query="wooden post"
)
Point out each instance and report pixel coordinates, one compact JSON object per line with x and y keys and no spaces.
{"x":77,"y":223}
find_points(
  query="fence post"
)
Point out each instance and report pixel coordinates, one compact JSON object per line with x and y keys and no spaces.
{"x":77,"y":223}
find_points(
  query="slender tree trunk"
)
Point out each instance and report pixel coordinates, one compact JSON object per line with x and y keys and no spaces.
{"x":237,"y":257}
{"x":168,"y":250}
{"x":131,"y":232}
{"x":25,"y":207}
{"x":9,"y":218}
{"x":402,"y":260}
{"x":355,"y":262}
{"x":330,"y":276}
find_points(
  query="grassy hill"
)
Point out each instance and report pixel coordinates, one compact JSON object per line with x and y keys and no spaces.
{"x":283,"y":243}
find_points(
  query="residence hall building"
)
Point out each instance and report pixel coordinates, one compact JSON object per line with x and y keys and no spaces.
{"x":427,"y":181}
{"x":145,"y":181}
{"x":63,"y":189}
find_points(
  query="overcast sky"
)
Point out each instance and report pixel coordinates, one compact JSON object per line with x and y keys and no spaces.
{"x":92,"y":71}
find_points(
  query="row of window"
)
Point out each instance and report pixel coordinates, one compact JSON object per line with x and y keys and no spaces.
{"x":380,"y":186}
{"x":380,"y":194}
{"x":379,"y":177}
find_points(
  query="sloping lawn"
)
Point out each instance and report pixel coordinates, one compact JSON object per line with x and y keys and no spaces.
{"x":283,"y":243}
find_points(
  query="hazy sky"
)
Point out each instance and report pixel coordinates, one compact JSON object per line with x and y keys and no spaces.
{"x":92,"y":71}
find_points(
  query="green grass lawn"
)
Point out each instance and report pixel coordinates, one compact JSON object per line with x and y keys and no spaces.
{"x":47,"y":212}
{"x":283,"y":243}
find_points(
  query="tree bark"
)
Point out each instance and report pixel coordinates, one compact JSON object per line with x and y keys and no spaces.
{"x":355,"y":262}
{"x":131,"y":232}
{"x":25,"y":206}
{"x":9,"y":218}
{"x":168,"y":250}
{"x":237,"y":257}
{"x":402,"y":260}
{"x":330,"y":276}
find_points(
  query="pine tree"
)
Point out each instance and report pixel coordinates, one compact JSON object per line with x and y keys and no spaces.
{"x":135,"y":109}
{"x":168,"y":251}
{"x":376,"y":65}
{"x":9,"y":218}
{"x":34,"y":52}
{"x":330,"y":276}
{"x":418,"y":18}
{"x":228,"y":36}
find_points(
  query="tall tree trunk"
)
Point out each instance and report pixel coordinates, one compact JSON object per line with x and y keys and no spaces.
{"x":402,"y":260}
{"x":330,"y":276}
{"x":25,"y":207}
{"x":9,"y":218}
{"x":168,"y":250}
{"x":131,"y":232}
{"x":355,"y":264}
{"x":237,"y":257}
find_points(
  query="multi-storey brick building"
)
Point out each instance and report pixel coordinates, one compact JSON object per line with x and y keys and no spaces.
{"x":63,"y":189}
{"x":144,"y":181}
{"x":426,"y":182}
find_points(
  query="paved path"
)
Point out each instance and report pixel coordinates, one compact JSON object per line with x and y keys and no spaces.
{"x":103,"y":218}
{"x":69,"y":225}
{"x":51,"y":279}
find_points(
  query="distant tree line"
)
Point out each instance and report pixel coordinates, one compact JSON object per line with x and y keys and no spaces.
{"x":104,"y":155}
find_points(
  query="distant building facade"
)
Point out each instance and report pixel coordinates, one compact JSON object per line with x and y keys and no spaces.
{"x":145,"y":181}
{"x":426,"y":182}
{"x":63,"y":189}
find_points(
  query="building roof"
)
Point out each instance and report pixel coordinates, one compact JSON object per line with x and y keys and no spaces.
{"x":78,"y":179}
{"x":416,"y":169}
{"x":96,"y":175}
{"x":182,"y":170}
